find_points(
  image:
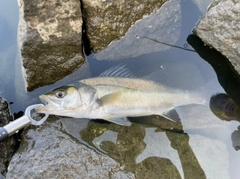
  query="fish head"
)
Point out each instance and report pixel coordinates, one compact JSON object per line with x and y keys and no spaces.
{"x":66,"y":100}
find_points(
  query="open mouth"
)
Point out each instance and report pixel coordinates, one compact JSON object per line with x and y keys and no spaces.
{"x":47,"y":105}
{"x":45,"y":102}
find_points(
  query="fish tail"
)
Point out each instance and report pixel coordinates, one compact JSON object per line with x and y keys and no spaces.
{"x":209,"y":89}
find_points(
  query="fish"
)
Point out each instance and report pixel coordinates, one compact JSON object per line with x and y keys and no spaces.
{"x":117,"y":94}
{"x":224,"y":107}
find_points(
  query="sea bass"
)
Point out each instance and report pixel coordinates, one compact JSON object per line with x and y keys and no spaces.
{"x":116,"y":95}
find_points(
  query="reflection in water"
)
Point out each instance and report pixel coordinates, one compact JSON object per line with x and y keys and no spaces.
{"x":236,"y":139}
{"x":226,"y":109}
{"x":186,"y":155}
{"x":227,"y":76}
{"x":175,"y":46}
{"x":127,"y":144}
{"x":154,"y":167}
{"x":223,"y":106}
{"x":5,"y":34}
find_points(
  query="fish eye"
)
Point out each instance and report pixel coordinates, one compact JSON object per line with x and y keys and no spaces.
{"x":60,"y":94}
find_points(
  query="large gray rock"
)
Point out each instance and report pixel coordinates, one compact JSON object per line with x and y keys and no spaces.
{"x":219,"y":28}
{"x":7,"y":147}
{"x":137,"y":39}
{"x":49,"y":37}
{"x":49,"y":152}
{"x":110,"y":20}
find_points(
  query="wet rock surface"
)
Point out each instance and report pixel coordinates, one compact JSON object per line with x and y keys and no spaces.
{"x":161,"y":152}
{"x":9,"y":146}
{"x":110,"y":20}
{"x":49,"y":38}
{"x":48,"y":152}
{"x":139,"y":38}
{"x":219,"y":28}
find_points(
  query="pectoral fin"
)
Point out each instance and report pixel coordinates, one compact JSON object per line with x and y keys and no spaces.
{"x":172,"y":115}
{"x":121,"y":121}
{"x":110,"y":98}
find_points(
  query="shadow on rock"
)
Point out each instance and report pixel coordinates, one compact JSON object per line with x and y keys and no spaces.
{"x":227,"y":76}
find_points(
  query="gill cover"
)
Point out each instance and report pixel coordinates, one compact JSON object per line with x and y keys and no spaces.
{"x":70,"y":97}
{"x":66,"y":97}
{"x":87,"y":94}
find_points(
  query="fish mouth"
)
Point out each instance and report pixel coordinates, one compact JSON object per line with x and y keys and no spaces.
{"x":44,"y":100}
{"x":49,"y":105}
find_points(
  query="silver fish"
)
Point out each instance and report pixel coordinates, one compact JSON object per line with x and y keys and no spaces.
{"x":115,"y":96}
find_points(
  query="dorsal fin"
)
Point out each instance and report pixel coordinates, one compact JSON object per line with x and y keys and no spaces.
{"x":160,"y":76}
{"x":118,"y":71}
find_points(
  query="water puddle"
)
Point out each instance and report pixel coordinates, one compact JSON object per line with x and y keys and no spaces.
{"x":203,"y":145}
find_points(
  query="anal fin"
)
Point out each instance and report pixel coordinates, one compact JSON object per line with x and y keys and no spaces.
{"x":120,"y":120}
{"x":172,"y":115}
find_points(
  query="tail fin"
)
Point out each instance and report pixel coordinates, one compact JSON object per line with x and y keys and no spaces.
{"x":210,"y":88}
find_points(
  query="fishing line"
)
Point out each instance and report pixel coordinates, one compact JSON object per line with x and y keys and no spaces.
{"x":175,"y":46}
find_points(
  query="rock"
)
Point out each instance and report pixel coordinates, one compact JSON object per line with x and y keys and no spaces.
{"x":219,"y":28}
{"x":107,"y":21}
{"x":139,"y":38}
{"x":9,"y":146}
{"x":49,"y":38}
{"x":49,"y":152}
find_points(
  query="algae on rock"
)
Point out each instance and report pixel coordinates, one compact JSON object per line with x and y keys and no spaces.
{"x":50,"y":40}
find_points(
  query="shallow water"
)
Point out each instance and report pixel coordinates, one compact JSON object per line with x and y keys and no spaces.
{"x":199,"y":147}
